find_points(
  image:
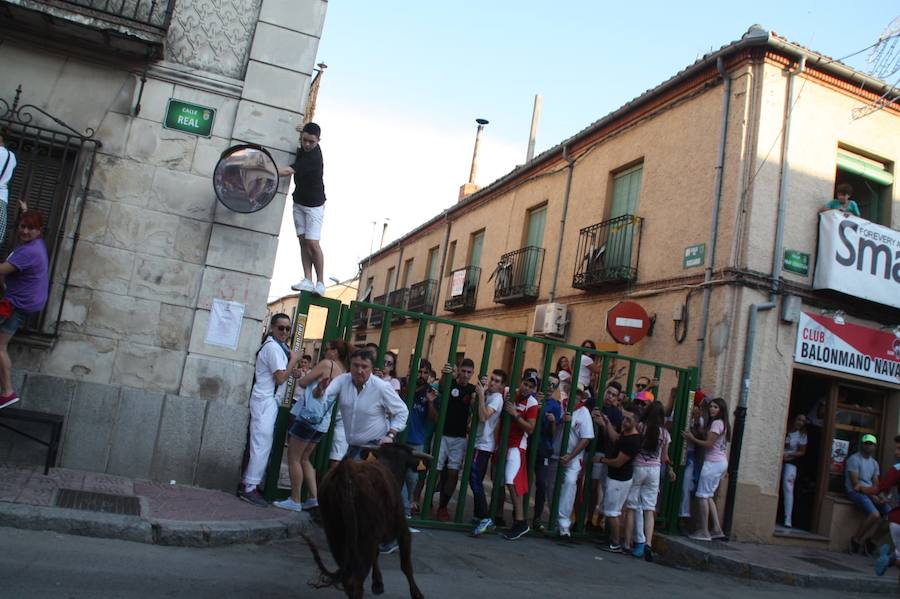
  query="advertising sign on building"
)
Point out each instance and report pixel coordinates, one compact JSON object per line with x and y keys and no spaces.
{"x":858,"y":258}
{"x":847,"y":347}
{"x":458,"y":283}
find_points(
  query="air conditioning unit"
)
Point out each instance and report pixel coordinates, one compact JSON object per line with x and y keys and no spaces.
{"x":550,"y":320}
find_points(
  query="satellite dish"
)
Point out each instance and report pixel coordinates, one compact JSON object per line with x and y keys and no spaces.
{"x":246,"y":178}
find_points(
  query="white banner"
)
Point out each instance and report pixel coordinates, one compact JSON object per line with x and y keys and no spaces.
{"x":458,"y":283}
{"x":850,"y":348}
{"x":858,"y":258}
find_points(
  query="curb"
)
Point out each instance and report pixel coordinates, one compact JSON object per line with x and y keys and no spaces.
{"x":675,"y":552}
{"x":173,"y":533}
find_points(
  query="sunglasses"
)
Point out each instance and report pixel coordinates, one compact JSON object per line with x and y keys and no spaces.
{"x":284,"y":328}
{"x":640,"y":386}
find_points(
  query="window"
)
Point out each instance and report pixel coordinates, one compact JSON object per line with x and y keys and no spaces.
{"x":451,"y":253}
{"x":871,"y":180}
{"x":407,"y":267}
{"x":625,"y":195}
{"x":534,"y":231}
{"x":431,"y":271}
{"x":475,"y":247}
{"x":389,"y":282}
{"x":367,"y":290}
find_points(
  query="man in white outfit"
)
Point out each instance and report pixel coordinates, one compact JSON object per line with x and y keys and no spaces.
{"x":7,"y":166}
{"x":274,"y":363}
{"x":571,"y":462}
{"x":372,"y":411}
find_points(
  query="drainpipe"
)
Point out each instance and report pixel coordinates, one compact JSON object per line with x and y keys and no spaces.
{"x":440,"y":282}
{"x":740,"y":413}
{"x":562,"y":220}
{"x":714,"y":226}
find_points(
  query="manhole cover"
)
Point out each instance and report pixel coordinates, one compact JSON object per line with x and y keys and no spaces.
{"x":98,"y":502}
{"x":825,"y":563}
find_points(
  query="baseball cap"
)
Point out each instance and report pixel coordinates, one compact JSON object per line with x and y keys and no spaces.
{"x":869,"y":439}
{"x":434,"y":387}
{"x":580,"y":388}
{"x":644,"y":396}
{"x":532,"y":378}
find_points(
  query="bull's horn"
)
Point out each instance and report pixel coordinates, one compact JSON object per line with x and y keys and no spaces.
{"x":422,"y":456}
{"x":369,"y":447}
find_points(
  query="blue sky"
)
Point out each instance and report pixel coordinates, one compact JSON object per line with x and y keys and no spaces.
{"x":406,"y":80}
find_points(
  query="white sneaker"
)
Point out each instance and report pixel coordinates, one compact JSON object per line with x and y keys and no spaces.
{"x":289,"y":504}
{"x":320,"y":288}
{"x":304,"y":285}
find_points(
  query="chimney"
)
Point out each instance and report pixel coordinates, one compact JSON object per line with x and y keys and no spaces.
{"x":469,"y":188}
{"x":535,"y":119}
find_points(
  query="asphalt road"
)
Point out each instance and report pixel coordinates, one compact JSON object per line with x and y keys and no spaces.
{"x":447,"y":564}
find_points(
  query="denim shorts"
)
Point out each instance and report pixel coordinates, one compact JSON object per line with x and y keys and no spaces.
{"x":865,"y":503}
{"x":10,"y":325}
{"x":303,"y":431}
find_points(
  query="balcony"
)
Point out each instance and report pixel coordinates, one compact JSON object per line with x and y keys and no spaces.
{"x":421,"y":297}
{"x":608,"y":253}
{"x":518,"y":275}
{"x":463,"y":289}
{"x":397,"y":299}
{"x":360,"y":318}
{"x":132,"y":27}
{"x":377,"y":316}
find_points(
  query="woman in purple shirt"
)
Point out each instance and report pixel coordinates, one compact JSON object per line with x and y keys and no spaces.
{"x":25,"y":275}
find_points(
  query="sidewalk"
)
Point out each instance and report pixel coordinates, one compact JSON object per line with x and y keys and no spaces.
{"x":135,"y":510}
{"x":784,"y":564}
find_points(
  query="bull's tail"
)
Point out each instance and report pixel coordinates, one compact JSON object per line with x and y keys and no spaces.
{"x":327,"y":578}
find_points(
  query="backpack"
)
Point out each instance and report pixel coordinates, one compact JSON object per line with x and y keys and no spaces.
{"x":311,"y":409}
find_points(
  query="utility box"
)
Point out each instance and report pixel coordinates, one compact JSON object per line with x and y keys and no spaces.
{"x":550,"y":320}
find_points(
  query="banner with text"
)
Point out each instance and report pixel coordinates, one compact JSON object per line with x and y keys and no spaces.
{"x":850,"y":348}
{"x":858,"y":258}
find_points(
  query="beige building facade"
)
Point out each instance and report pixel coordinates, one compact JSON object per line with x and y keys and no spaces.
{"x":140,"y":247}
{"x":673,"y":201}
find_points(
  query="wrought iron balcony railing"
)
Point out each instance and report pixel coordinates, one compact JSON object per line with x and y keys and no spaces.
{"x":608,"y":253}
{"x":463,"y":289}
{"x":360,"y":318}
{"x":518,"y":275}
{"x":377,"y":316}
{"x":421,"y":296}
{"x":150,"y":13}
{"x":397,"y":299}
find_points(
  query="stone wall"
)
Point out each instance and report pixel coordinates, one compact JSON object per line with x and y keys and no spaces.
{"x":142,"y":392}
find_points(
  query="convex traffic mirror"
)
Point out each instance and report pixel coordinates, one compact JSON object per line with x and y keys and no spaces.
{"x":246,"y":178}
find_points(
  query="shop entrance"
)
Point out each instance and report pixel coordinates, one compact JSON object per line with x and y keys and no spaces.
{"x":838,"y":413}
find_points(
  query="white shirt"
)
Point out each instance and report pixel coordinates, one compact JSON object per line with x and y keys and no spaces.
{"x":486,"y":440}
{"x":370,"y":413}
{"x":6,"y":173}
{"x":793,"y":441}
{"x":584,"y":373}
{"x":270,"y":359}
{"x":582,"y":428}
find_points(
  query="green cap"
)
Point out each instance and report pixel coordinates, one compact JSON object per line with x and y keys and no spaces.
{"x":869,"y":439}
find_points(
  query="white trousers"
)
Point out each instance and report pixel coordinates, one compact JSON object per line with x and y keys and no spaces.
{"x":567,"y":494}
{"x":788,"y":477}
{"x":262,"y":430}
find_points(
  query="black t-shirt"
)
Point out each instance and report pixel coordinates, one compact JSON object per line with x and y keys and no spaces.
{"x":615,"y":418}
{"x":457,"y":418}
{"x":309,"y":190}
{"x":630,"y":445}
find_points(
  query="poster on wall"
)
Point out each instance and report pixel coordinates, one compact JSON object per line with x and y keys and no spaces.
{"x":858,"y":258}
{"x":458,"y":283}
{"x":847,"y":347}
{"x":839,"y":450}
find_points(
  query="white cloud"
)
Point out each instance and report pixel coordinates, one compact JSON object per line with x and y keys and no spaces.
{"x":378,"y":168}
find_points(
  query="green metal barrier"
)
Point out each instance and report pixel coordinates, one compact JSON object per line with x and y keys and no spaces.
{"x":339,"y":325}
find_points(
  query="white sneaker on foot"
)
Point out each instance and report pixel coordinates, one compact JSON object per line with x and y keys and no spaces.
{"x":304,"y":285}
{"x":320,"y":288}
{"x":289,"y":504}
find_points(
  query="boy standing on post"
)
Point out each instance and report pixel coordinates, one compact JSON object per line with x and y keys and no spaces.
{"x":309,"y":206}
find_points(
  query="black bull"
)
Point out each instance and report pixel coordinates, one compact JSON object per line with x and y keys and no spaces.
{"x":361,"y":507}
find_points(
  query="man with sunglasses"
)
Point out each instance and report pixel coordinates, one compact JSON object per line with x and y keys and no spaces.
{"x":274,"y":364}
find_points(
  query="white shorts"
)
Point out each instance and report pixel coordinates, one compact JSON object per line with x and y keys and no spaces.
{"x":308,"y":221}
{"x":614,"y":494}
{"x":710,"y":476}
{"x":453,"y":451}
{"x":513,"y":465}
{"x":644,"y":489}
